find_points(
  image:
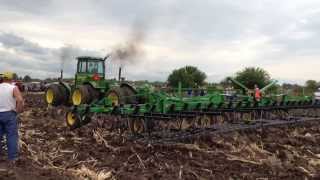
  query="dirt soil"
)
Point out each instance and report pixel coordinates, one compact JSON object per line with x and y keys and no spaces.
{"x":49,"y":150}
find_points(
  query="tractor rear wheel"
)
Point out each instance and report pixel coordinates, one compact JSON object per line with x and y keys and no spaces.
{"x":129,"y":95}
{"x":56,"y":95}
{"x":85,"y":94}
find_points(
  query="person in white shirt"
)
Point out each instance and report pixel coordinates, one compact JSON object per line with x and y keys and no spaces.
{"x":11,"y":103}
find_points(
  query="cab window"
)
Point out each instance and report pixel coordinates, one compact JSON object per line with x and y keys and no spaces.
{"x":95,"y":67}
{"x":82,"y":67}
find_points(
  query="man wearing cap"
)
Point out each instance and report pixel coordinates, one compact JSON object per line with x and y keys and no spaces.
{"x":11,"y":103}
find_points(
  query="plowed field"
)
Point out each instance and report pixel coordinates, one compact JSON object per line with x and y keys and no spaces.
{"x":49,"y":150}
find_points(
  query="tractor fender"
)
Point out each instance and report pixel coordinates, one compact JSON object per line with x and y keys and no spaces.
{"x":129,"y":86}
{"x":66,"y":86}
{"x":97,"y":86}
{"x":94,"y":84}
{"x":94,"y":90}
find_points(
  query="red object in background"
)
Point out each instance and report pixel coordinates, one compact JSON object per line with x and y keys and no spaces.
{"x":96,"y":77}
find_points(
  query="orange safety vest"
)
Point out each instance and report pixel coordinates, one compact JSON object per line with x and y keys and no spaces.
{"x":257,"y":94}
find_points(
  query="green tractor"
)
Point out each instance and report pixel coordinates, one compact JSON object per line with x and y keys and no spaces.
{"x":90,"y":84}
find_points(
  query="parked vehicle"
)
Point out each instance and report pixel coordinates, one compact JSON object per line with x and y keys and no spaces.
{"x":317,"y":94}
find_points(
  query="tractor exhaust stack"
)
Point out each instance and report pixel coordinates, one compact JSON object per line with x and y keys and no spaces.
{"x":119,"y":77}
{"x":61,"y":74}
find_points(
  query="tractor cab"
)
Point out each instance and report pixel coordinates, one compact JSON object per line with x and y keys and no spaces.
{"x":91,"y":71}
{"x":89,"y":67}
{"x":89,"y":80}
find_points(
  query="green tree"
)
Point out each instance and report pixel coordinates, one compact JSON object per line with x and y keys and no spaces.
{"x":253,"y":75}
{"x":27,"y":78}
{"x":311,"y":86}
{"x":15,"y":76}
{"x":189,"y":76}
{"x":292,"y":89}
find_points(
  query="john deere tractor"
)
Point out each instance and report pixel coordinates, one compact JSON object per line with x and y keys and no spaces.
{"x":90,"y":84}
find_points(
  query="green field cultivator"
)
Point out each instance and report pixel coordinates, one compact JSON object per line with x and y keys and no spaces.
{"x":149,"y":112}
{"x":156,"y":112}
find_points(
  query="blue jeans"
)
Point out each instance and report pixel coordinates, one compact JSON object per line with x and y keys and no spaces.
{"x":8,"y":126}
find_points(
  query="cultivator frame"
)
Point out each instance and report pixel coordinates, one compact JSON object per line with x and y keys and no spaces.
{"x":157,"y":111}
{"x":145,"y":111}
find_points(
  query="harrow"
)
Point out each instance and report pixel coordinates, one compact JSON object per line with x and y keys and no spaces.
{"x":175,"y":115}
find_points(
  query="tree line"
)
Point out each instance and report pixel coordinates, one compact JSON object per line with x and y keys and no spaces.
{"x":191,"y":76}
{"x":25,"y":78}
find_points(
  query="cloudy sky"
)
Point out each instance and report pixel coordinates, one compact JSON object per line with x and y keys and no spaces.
{"x":220,"y":37}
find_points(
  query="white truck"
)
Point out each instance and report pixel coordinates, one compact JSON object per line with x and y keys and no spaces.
{"x":317,"y":94}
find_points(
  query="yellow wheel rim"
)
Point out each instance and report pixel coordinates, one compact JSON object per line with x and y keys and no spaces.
{"x":76,"y":97}
{"x":49,"y":96}
{"x":71,"y":119}
{"x":114,"y":98}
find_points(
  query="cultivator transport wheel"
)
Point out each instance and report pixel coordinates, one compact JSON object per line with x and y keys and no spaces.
{"x":73,"y":120}
{"x":85,"y":120}
{"x":56,"y":95}
{"x":85,"y":94}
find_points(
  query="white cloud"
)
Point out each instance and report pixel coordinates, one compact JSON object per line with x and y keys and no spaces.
{"x":220,"y":37}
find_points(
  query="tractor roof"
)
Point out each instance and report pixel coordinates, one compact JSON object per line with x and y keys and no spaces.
{"x":90,"y":58}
